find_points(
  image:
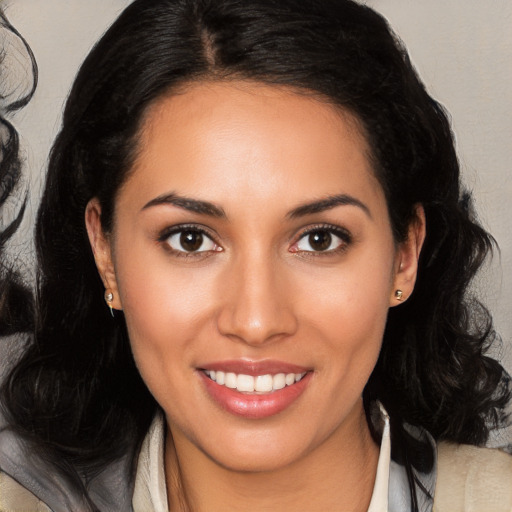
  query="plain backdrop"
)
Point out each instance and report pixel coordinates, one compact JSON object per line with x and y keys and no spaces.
{"x":461,"y":48}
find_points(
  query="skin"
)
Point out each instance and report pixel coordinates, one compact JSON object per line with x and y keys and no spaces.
{"x":258,"y":292}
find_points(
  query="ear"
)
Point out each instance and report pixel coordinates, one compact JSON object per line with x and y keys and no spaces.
{"x":102,"y":250}
{"x":406,"y":261}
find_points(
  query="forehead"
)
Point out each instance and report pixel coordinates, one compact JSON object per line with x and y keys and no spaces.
{"x":213,"y":140}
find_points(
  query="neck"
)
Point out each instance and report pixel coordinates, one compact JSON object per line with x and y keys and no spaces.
{"x":337,"y":475}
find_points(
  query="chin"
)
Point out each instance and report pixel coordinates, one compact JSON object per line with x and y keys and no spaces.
{"x":263,"y":463}
{"x":257,"y":452}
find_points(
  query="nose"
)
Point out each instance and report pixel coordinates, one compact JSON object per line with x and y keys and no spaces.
{"x":257,"y":304}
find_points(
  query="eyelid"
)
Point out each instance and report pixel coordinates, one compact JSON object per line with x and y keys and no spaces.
{"x":166,"y":233}
{"x":342,"y":233}
{"x":172,"y":230}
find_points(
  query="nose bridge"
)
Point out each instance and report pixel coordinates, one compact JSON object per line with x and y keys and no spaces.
{"x":257,"y":306}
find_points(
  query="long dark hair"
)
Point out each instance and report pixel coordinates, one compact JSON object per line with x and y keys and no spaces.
{"x":77,"y":390}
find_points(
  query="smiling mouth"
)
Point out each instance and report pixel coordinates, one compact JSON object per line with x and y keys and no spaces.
{"x":259,"y":384}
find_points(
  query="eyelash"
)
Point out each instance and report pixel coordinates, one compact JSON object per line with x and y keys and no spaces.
{"x":342,"y":234}
{"x":169,"y":232}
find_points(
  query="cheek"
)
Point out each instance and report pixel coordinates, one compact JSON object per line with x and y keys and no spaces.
{"x":352,"y":325}
{"x":166,"y":316}
{"x":349,"y":311}
{"x":355,"y":295}
{"x":165,"y":305}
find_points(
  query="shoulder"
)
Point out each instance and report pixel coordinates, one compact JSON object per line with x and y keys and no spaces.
{"x":15,"y":498}
{"x":472,"y":478}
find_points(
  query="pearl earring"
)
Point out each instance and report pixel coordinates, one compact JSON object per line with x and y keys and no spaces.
{"x":109,"y":297}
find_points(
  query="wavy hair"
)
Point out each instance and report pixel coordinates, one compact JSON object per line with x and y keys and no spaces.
{"x":77,"y":389}
{"x":17,"y":86}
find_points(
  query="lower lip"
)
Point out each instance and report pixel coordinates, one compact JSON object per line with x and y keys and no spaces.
{"x":254,"y":406}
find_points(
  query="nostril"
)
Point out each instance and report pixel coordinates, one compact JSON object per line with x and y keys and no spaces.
{"x":269,"y":325}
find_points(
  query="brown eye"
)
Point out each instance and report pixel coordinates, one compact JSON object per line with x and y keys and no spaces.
{"x":323,"y":240}
{"x":320,"y":240}
{"x":190,"y":241}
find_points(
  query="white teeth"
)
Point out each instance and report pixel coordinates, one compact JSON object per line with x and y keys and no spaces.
{"x":259,"y":384}
{"x":263,"y":383}
{"x":279,"y":381}
{"x":230,"y":380}
{"x":245,"y":383}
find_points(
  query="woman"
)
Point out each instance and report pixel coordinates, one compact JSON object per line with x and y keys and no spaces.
{"x":253,"y":257}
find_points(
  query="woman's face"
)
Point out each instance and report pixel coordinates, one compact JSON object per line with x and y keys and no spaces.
{"x":253,"y":257}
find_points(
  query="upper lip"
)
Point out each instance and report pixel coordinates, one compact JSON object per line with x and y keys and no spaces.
{"x":254,"y":368}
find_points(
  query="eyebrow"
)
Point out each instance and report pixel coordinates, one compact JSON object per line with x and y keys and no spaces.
{"x":328,"y":203}
{"x":212,"y":210}
{"x":186,"y":203}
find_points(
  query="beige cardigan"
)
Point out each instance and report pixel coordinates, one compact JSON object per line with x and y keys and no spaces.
{"x":469,"y":479}
{"x":472,"y":479}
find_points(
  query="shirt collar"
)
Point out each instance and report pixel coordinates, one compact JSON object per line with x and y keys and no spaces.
{"x":379,"y":501}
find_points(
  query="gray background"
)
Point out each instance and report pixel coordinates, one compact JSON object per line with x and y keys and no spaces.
{"x":462,"y":49}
